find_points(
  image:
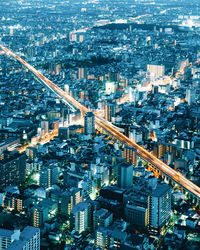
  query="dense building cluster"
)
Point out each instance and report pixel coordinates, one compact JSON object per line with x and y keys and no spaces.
{"x":65,"y":182}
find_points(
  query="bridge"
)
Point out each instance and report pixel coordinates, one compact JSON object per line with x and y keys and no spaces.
{"x":156,"y":163}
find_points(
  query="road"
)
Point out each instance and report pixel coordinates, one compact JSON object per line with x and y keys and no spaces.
{"x":143,"y":153}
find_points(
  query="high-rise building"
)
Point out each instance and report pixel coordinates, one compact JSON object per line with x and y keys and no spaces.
{"x":29,"y":240}
{"x":136,"y":214}
{"x":39,"y":215}
{"x":113,"y":77}
{"x":102,"y":217}
{"x":31,"y":153}
{"x":70,"y":198}
{"x":190,"y":96}
{"x":130,"y":154}
{"x":63,"y":133}
{"x":13,"y":201}
{"x":110,"y":111}
{"x":45,"y":126}
{"x":82,"y":73}
{"x":87,"y":188}
{"x":80,"y":217}
{"x":7,"y":237}
{"x":110,"y":236}
{"x":13,"y":168}
{"x":148,"y":204}
{"x":111,"y":87}
{"x":89,"y":123}
{"x":48,"y":176}
{"x":103,"y":237}
{"x":124,"y":175}
{"x":159,"y":206}
{"x":156,"y":70}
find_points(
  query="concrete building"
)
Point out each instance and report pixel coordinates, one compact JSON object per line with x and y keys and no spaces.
{"x":136,"y":215}
{"x":156,"y":70}
{"x":12,"y":168}
{"x":159,"y":205}
{"x":48,"y":176}
{"x":29,"y":240}
{"x":7,"y":237}
{"x":102,"y":217}
{"x":130,"y":154}
{"x":80,"y":217}
{"x":125,"y":175}
{"x":39,"y":215}
{"x":69,"y":199}
{"x":89,"y":123}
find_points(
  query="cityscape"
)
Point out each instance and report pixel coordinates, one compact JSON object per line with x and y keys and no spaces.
{"x":99,"y":124}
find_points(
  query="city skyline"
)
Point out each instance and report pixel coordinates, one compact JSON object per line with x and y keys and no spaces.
{"x":99,"y":124}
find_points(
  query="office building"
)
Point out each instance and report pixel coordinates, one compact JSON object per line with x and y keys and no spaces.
{"x":110,"y":88}
{"x":125,"y":175}
{"x":13,"y":168}
{"x":190,"y":96}
{"x":89,"y":123}
{"x":31,"y":153}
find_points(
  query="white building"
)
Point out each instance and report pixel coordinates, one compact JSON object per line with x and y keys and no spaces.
{"x":29,"y":240}
{"x":80,"y":217}
{"x":7,"y":237}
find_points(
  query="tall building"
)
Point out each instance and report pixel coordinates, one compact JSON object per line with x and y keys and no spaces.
{"x":80,"y":217}
{"x":82,"y":73}
{"x":110,"y":111}
{"x":63,"y":133}
{"x":113,"y":77}
{"x":45,"y":126}
{"x":136,"y":214}
{"x":159,"y":206}
{"x":39,"y":215}
{"x":190,"y":96}
{"x":29,"y":240}
{"x":111,"y":87}
{"x":102,"y":217}
{"x":89,"y":123}
{"x":12,"y":168}
{"x":156,"y":70}
{"x":103,"y":237}
{"x":70,"y":198}
{"x":48,"y":176}
{"x":125,"y":175}
{"x":111,"y":236}
{"x":31,"y":153}
{"x":130,"y":154}
{"x":7,"y":237}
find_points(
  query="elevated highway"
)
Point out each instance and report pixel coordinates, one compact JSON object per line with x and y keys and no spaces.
{"x":172,"y":174}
